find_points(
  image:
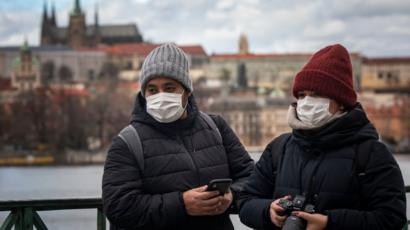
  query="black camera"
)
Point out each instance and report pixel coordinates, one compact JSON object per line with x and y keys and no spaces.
{"x":297,"y":204}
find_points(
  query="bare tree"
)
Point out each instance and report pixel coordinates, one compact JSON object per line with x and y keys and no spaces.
{"x":109,"y":108}
{"x":4,"y":124}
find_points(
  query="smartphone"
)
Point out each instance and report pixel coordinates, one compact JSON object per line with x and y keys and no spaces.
{"x":221,"y":185}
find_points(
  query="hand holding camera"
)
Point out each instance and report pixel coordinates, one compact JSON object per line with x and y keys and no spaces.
{"x":276,"y":212}
{"x":290,"y":207}
{"x":315,"y":221}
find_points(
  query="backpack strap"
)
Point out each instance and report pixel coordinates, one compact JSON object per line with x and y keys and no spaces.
{"x":130,"y":136}
{"x":279,"y":148}
{"x":211,"y":123}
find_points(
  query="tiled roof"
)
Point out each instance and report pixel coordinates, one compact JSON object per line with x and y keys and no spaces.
{"x":258,"y":56}
{"x":144,"y":49}
{"x":108,"y":33}
{"x":117,"y":30}
{"x":267,"y":55}
{"x":193,"y":49}
{"x":388,"y":60}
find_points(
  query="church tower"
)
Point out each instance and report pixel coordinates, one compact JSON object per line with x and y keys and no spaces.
{"x":97,"y":37}
{"x":53,"y":20}
{"x":46,"y":37}
{"x":243,"y":44}
{"x":26,"y":72}
{"x":76,"y":27}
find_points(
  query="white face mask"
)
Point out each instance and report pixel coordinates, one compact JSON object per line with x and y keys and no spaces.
{"x":314,"y":111}
{"x":165,"y":107}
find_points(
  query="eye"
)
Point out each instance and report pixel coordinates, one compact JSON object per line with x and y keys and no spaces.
{"x":151,"y":90}
{"x":314,"y":94}
{"x":301,"y":95}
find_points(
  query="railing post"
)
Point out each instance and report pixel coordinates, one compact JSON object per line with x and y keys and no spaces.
{"x":19,"y":219}
{"x":100,"y":219}
{"x":406,"y":227}
{"x":28,"y":218}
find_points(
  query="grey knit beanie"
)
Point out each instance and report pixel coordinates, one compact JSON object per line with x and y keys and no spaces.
{"x":169,"y":61}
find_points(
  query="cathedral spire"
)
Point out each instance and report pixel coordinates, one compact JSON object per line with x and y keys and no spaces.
{"x":77,"y":8}
{"x":96,"y":16}
{"x":96,"y":26}
{"x":45,"y":26}
{"x":53,"y":15}
{"x":45,"y":15}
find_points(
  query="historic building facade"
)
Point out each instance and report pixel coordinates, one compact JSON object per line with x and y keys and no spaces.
{"x":78,"y":34}
{"x":268,"y":70}
{"x":386,"y":74}
{"x":25,"y":70}
{"x":129,"y":58}
{"x":55,"y":64}
{"x":256,"y":119}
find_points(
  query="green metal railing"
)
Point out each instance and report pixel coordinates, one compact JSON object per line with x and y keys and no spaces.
{"x":24,"y":214}
{"x":406,"y":227}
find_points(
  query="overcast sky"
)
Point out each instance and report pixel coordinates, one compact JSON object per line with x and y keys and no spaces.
{"x":372,"y":27}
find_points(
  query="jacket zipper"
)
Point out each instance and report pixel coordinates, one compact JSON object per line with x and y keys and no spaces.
{"x":198,"y":180}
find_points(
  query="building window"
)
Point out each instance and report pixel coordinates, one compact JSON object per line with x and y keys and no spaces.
{"x":91,"y":75}
{"x":128,"y":65}
{"x":196,"y":62}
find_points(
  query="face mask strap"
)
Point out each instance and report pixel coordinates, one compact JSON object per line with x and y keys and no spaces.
{"x":187,"y":100}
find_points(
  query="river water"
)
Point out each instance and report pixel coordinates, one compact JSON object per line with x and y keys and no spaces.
{"x":25,"y":183}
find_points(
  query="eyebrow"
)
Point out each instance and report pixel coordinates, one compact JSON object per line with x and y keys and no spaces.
{"x":169,"y":84}
{"x":151,"y":85}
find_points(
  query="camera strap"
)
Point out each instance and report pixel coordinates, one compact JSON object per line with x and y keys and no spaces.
{"x":279,"y":144}
{"x":309,"y":191}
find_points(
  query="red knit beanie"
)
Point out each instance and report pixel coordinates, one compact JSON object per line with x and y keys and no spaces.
{"x":328,"y":73}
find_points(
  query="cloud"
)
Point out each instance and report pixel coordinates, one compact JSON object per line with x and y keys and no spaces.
{"x":18,"y":24}
{"x":367,"y":8}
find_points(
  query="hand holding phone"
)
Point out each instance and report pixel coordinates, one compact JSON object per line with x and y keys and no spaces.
{"x":221,"y":185}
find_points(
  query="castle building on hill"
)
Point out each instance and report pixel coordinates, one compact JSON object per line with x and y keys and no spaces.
{"x":79,"y":35}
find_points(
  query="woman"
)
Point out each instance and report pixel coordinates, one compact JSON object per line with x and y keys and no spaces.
{"x":321,"y":161}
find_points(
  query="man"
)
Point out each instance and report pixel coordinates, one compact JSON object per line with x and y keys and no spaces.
{"x":181,"y":153}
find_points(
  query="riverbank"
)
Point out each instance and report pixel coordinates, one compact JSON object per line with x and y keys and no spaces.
{"x":79,"y":158}
{"x":69,"y":157}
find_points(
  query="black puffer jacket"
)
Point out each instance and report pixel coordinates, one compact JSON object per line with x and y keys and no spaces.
{"x":320,"y":163}
{"x":178,"y":156}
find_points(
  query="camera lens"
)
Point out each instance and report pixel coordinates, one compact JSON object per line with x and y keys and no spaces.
{"x":294,"y":223}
